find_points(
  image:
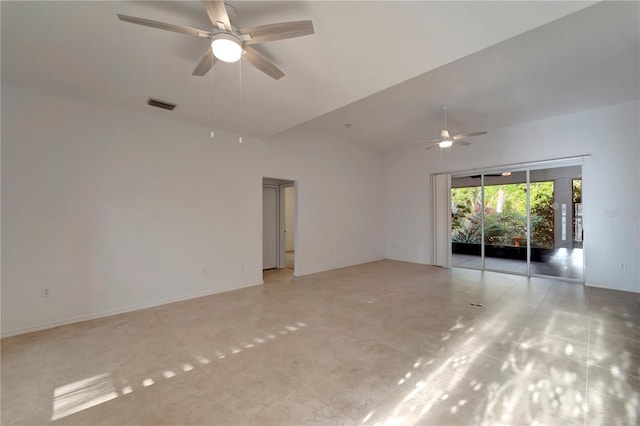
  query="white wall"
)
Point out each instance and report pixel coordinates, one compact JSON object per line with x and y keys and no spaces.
{"x":113,"y":209}
{"x":611,"y":186}
{"x":289,"y":217}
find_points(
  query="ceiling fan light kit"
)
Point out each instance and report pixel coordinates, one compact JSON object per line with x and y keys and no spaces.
{"x":446,"y":140}
{"x":226,"y":47}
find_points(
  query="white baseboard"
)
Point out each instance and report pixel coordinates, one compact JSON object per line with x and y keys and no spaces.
{"x":103,"y":314}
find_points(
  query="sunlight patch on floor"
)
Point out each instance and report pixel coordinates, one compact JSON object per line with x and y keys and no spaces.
{"x":86,"y":393}
{"x":78,"y":396}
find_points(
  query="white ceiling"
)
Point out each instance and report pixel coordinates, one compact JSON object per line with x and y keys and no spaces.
{"x":583,"y":61}
{"x":359,"y":49}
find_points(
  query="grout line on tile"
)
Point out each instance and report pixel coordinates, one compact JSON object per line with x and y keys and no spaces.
{"x":586,"y":381}
{"x":553,"y":284}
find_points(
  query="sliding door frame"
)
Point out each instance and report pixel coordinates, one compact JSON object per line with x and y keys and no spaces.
{"x":518,"y":167}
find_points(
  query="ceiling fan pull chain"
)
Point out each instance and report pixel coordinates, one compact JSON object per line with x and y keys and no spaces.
{"x":212,"y":99}
{"x":240,"y":87}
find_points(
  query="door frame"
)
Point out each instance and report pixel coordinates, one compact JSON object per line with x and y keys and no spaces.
{"x":278,"y":232}
{"x":279,"y":184}
{"x":282,"y":247}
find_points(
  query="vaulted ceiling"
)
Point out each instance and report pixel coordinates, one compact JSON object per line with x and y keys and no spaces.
{"x":383,"y":66}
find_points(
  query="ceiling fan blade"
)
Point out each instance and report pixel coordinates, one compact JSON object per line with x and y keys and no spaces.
{"x":263,"y":64}
{"x":164,"y":26}
{"x":432,"y":146}
{"x":467,"y":135}
{"x":463,"y":143}
{"x":428,"y":141}
{"x":280,"y":31}
{"x":205,"y":64}
{"x":217,"y":13}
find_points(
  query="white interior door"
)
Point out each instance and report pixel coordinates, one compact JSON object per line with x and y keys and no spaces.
{"x":269,"y":228}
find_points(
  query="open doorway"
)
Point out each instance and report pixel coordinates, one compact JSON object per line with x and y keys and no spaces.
{"x":278,"y":225}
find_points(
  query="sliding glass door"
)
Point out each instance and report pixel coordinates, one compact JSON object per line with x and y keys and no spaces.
{"x":505,"y":221}
{"x":556,"y":222}
{"x":466,"y":222}
{"x":523,"y":221}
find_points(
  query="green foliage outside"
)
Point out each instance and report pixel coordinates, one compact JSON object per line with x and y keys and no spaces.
{"x":577,"y":190}
{"x":506,"y":225}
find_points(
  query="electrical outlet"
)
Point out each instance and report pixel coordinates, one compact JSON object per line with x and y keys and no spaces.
{"x":623,"y":266}
{"x":45,"y":292}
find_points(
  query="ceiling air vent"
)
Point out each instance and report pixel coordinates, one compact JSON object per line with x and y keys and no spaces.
{"x":161,"y":104}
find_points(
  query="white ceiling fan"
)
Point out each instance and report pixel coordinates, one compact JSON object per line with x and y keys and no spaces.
{"x":446,"y":141}
{"x":230,"y":44}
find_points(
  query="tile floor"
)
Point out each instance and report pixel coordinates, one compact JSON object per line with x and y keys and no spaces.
{"x":381,"y":343}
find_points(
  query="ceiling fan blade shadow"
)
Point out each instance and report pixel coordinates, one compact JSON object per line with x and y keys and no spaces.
{"x":263,"y":64}
{"x":468,"y":135}
{"x":217,"y":13}
{"x":205,"y":64}
{"x":164,"y":26}
{"x":279,"y":31}
{"x":462,"y":143}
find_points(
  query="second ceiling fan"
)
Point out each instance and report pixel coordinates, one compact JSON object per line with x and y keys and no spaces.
{"x":230,"y":44}
{"x":446,"y":141}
